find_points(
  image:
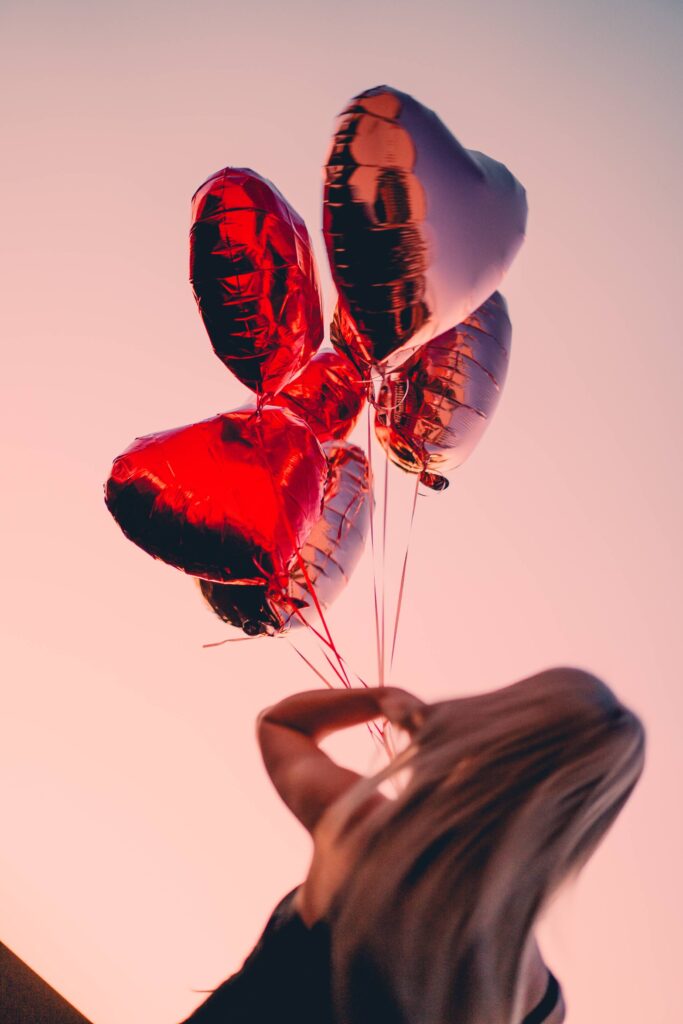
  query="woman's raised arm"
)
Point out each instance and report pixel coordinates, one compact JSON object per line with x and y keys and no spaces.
{"x":289,"y":733}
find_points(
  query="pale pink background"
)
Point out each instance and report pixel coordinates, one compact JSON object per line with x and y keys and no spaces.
{"x":142,"y":845}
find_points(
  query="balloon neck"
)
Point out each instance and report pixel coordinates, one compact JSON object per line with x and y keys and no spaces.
{"x":434,"y":481}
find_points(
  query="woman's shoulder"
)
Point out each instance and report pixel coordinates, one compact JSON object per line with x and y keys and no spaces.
{"x":287,"y":929}
{"x":286,"y":975}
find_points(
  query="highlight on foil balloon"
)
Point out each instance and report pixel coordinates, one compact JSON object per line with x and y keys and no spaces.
{"x":419,"y":230}
{"x":329,"y":555}
{"x":254,"y":277}
{"x":328,"y":394}
{"x":432,"y":412}
{"x":230,"y":498}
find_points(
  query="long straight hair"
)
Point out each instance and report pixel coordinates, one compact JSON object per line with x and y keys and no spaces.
{"x":509,"y":794}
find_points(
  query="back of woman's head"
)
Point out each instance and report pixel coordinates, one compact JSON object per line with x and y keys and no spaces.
{"x":509,"y":794}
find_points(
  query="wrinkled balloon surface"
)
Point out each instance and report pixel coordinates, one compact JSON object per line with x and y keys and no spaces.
{"x":419,"y":230}
{"x":432,"y":412}
{"x":328,"y":556}
{"x":328,"y":394}
{"x":254,"y":278}
{"x":228,"y":499}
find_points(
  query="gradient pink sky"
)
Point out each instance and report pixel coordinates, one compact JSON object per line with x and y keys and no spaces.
{"x":142,"y":844}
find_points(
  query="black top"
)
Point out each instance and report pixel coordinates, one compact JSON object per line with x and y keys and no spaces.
{"x":287,"y":977}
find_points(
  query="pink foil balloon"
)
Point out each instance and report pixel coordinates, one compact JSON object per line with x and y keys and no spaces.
{"x":419,"y":230}
{"x":433,"y":411}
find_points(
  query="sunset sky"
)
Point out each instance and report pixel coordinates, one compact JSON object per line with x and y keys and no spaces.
{"x":143,"y":847}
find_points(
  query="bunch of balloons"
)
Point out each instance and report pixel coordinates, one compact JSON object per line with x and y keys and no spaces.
{"x":269,"y":506}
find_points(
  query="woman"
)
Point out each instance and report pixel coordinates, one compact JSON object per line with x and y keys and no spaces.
{"x":420,"y":909}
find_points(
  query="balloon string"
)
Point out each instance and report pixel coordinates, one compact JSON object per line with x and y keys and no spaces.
{"x":373,"y":547}
{"x":375,"y":731}
{"x":379,"y":730}
{"x":229,"y":640}
{"x":343,"y":679}
{"x":316,"y":632}
{"x":399,"y":601}
{"x":318,"y":608}
{"x":379,"y":630}
{"x":384,"y":566}
{"x":312,"y":667}
{"x":302,"y":564}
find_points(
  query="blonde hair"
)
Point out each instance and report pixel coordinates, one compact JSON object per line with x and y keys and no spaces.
{"x":509,"y":794}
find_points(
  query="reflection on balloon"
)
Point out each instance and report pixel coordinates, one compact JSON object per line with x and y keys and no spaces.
{"x":254,"y":278}
{"x":326,"y":559}
{"x":230,"y":498}
{"x":433,"y":411}
{"x":419,"y":230}
{"x":336,"y":542}
{"x":328,"y":394}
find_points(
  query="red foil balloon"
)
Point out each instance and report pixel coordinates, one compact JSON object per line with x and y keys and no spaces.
{"x":328,"y":394}
{"x":419,"y":230}
{"x":229,"y":499}
{"x":329,"y":555}
{"x":433,"y":411}
{"x":254,"y":278}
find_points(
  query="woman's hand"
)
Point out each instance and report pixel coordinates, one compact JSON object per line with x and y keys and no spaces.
{"x":401,"y":708}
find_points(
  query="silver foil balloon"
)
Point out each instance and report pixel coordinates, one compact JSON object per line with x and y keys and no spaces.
{"x":433,"y":411}
{"x":419,"y":230}
{"x":336,"y":541}
{"x":327,"y":558}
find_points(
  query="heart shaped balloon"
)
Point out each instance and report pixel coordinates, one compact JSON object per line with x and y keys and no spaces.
{"x":228,"y":499}
{"x":326,"y":560}
{"x":254,"y":278}
{"x":433,"y":411}
{"x":419,"y":230}
{"x":328,"y":394}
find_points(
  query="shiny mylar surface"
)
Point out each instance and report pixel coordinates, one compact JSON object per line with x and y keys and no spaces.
{"x":254,"y":278}
{"x":329,"y":555}
{"x":328,"y":394}
{"x":230,"y":498}
{"x":419,"y":230}
{"x":336,"y":542}
{"x":433,"y":411}
{"x":250,"y":608}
